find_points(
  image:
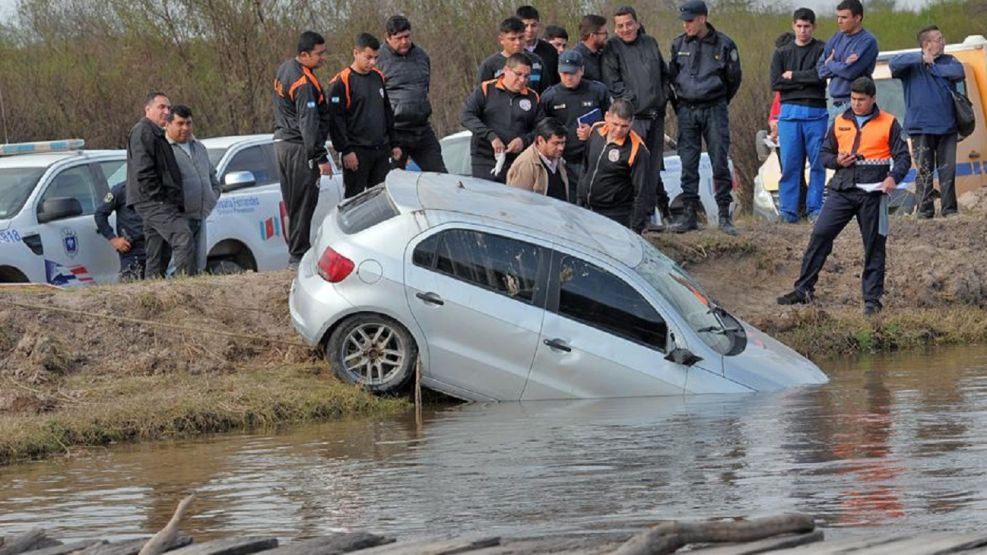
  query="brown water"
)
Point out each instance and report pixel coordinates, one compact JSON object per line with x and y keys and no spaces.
{"x":894,"y":443}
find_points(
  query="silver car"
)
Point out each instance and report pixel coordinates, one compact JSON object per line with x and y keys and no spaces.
{"x":506,"y":295}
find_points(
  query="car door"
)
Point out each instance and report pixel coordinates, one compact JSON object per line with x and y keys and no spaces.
{"x":601,"y":337}
{"x":478,"y":296}
{"x":74,"y":253}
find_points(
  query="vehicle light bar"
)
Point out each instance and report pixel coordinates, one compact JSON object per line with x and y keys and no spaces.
{"x":41,"y":146}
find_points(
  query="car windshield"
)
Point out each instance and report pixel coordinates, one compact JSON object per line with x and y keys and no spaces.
{"x":716,"y":328}
{"x":16,"y":185}
{"x":215,"y":155}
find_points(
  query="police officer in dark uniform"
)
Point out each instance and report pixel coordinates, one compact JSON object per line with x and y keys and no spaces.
{"x":511,"y":39}
{"x":571,"y":99}
{"x":705,"y":68}
{"x":616,"y":182}
{"x":361,"y":122}
{"x":407,"y":73}
{"x":502,"y":114}
{"x":128,"y":240}
{"x":301,"y":125}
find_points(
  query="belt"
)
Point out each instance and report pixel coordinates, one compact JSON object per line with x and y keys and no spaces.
{"x":703,"y":104}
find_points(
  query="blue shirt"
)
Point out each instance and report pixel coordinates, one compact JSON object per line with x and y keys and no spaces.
{"x":840,"y":73}
{"x":928,"y":100}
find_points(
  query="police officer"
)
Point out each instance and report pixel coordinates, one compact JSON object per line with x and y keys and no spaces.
{"x":361,"y":122}
{"x":635,"y":70}
{"x":705,"y":68}
{"x":128,"y":240}
{"x":511,"y":39}
{"x":866,"y":148}
{"x":407,"y":72}
{"x":501,"y":113}
{"x":616,"y":183}
{"x":577,"y":103}
{"x":301,"y":125}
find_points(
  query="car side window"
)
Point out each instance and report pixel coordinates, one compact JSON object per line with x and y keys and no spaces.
{"x":77,"y":183}
{"x":115,"y":172}
{"x":597,"y":298}
{"x":258,"y":160}
{"x":500,"y":264}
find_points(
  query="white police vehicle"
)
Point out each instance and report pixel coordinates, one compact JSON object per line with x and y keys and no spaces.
{"x":49,"y":192}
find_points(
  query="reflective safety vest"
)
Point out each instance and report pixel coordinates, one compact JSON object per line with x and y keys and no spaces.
{"x":870,"y":141}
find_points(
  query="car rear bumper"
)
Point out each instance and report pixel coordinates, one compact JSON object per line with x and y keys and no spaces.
{"x":314,"y":302}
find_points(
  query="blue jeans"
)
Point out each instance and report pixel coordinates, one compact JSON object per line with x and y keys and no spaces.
{"x":801,"y":131}
{"x":710,"y":123}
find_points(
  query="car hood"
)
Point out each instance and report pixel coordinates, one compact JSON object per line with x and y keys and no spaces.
{"x":768,"y":365}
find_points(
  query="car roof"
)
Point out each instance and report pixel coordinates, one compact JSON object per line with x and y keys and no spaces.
{"x":516,"y":209}
{"x":230,"y":140}
{"x":43,"y":160}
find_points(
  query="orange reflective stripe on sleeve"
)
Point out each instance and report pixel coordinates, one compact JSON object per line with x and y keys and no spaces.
{"x":636,"y":143}
{"x":315,"y":82}
{"x":294,"y":86}
{"x":485,"y":86}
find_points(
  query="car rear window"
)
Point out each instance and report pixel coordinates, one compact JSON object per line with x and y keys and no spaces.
{"x":366,"y":210}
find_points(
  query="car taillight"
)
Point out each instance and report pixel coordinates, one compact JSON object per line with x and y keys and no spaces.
{"x":334,"y":267}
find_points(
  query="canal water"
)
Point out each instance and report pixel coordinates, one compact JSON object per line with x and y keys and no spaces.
{"x":892,"y":444}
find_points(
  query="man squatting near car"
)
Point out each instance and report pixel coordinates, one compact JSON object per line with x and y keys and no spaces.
{"x":407,"y":73}
{"x":154,"y":189}
{"x":301,"y":125}
{"x":128,"y":240}
{"x":199,"y":182}
{"x":361,"y":122}
{"x":866,"y":148}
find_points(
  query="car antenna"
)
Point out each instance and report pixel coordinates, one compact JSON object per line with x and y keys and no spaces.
{"x":3,"y":117}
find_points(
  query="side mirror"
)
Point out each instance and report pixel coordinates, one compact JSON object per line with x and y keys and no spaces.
{"x":682,"y":356}
{"x":763,"y":150}
{"x":238,"y":180}
{"x":59,"y":208}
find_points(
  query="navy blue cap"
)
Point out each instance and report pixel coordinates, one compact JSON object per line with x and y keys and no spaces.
{"x":692,"y":9}
{"x":570,"y":61}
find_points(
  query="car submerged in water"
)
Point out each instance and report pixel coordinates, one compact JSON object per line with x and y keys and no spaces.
{"x":506,"y":295}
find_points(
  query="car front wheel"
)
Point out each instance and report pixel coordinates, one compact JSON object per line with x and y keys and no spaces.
{"x":373,"y":351}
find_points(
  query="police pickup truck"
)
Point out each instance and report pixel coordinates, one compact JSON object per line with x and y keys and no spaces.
{"x":49,"y":192}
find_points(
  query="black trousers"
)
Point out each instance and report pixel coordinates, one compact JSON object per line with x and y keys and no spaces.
{"x":837,"y":211}
{"x":423,"y":147}
{"x":652,"y":132}
{"x":300,"y":192}
{"x":167,"y":236}
{"x":374,"y":163}
{"x":709,"y":123}
{"x":935,"y":153}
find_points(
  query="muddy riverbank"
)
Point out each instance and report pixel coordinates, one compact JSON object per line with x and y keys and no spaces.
{"x":215,"y":353}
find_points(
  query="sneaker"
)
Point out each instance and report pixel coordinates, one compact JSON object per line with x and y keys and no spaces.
{"x":871,"y":309}
{"x":795,"y":297}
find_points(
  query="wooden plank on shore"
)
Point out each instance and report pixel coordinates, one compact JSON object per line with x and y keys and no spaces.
{"x":129,"y":547}
{"x":845,"y":545}
{"x":763,"y":546}
{"x":229,"y":546}
{"x":34,"y":538}
{"x":67,"y":548}
{"x":334,"y":544}
{"x":931,"y":544}
{"x":434,"y":546}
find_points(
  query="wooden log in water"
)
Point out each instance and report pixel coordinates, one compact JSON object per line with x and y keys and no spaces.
{"x":34,"y":538}
{"x":230,"y":546}
{"x":129,"y":547}
{"x":667,"y":537}
{"x":336,"y":544}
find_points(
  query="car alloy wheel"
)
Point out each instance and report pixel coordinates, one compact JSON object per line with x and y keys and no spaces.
{"x":373,"y":351}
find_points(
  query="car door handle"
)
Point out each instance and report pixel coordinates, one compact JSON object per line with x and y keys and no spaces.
{"x":974,"y":155}
{"x":430,"y":298}
{"x":558,"y":345}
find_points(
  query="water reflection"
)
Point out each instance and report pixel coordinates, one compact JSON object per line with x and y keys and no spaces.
{"x":892,"y":442}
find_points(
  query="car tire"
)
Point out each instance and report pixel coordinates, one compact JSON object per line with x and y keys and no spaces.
{"x":224,"y":266}
{"x":373,"y":351}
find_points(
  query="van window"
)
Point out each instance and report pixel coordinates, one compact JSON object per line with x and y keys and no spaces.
{"x":597,"y":298}
{"x":258,"y":160}
{"x":77,"y":183}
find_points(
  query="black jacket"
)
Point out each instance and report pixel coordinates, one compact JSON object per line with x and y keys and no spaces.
{"x":706,"y":70}
{"x":636,"y":71}
{"x":129,"y":224}
{"x":550,"y":56}
{"x":406,"y":80}
{"x":493,"y":66}
{"x":152,"y":172}
{"x":301,"y":113}
{"x":805,"y":87}
{"x":592,"y":62}
{"x":360,"y":111}
{"x":567,"y":105}
{"x":616,"y":177}
{"x":866,"y":171}
{"x":492,"y":112}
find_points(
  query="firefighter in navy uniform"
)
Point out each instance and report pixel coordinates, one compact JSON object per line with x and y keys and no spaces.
{"x":301,"y":125}
{"x":128,"y":240}
{"x":502,"y":114}
{"x":866,"y":148}
{"x":617,"y":181}
{"x":361,"y":121}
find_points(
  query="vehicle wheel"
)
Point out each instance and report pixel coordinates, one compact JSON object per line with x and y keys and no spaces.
{"x":224,"y":266}
{"x":373,"y":351}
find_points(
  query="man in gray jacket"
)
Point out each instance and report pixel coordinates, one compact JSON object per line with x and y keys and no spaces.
{"x":200,"y":185}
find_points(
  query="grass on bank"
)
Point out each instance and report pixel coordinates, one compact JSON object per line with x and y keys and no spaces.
{"x":143,"y":408}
